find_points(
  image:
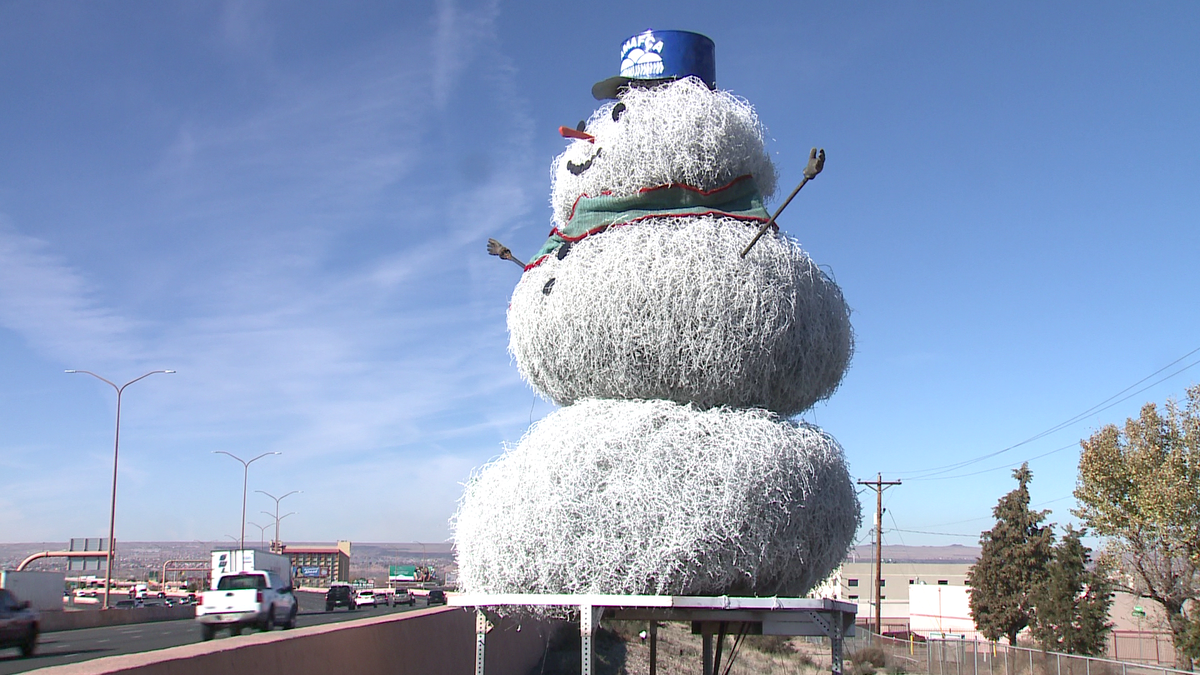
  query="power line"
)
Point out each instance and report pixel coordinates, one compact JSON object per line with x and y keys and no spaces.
{"x":998,"y":468}
{"x":1099,"y":407}
{"x":897,"y":527}
{"x":940,"y":534}
{"x":971,"y":520}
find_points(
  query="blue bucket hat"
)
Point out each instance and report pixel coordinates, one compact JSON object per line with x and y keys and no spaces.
{"x":660,"y":55}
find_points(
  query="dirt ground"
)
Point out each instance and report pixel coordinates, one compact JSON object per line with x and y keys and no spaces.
{"x":620,"y":650}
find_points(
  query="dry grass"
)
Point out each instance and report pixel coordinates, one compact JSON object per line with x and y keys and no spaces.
{"x":620,"y":651}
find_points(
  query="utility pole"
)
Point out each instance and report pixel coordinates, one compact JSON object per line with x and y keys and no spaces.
{"x":878,"y":485}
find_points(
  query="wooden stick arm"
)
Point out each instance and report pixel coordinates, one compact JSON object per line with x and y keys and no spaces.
{"x":816,"y":162}
{"x":497,"y":249}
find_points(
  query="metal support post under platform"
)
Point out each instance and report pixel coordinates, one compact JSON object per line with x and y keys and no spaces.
{"x":653,"y":648}
{"x":482,"y":627}
{"x":824,"y":617}
{"x":589,"y":618}
{"x":706,"y":651}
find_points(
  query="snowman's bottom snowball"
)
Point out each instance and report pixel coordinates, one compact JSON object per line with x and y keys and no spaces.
{"x":653,"y":497}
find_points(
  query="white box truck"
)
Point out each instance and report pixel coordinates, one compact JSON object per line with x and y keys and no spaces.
{"x":42,"y":590}
{"x":244,"y":560}
{"x":249,"y":589}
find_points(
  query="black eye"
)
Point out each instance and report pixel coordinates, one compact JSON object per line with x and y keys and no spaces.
{"x":581,"y":126}
{"x":617,"y":110}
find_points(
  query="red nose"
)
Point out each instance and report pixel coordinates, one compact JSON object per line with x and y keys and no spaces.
{"x":568,"y":132}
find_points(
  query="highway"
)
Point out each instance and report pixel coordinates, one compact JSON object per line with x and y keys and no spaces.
{"x":92,"y":643}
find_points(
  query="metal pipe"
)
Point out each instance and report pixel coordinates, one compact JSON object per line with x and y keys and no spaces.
{"x":57,"y":554}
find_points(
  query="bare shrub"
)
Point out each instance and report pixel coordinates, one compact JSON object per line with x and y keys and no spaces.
{"x":771,"y":644}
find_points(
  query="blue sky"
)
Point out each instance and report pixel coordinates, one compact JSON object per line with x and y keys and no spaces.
{"x":288,"y":203}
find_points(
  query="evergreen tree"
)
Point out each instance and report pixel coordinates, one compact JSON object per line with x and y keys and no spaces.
{"x":1191,"y":639}
{"x":1071,"y":604}
{"x":1015,"y":554}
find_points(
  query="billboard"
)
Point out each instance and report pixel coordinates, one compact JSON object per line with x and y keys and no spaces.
{"x":402,"y":573}
{"x":310,"y":571}
{"x":99,"y":563}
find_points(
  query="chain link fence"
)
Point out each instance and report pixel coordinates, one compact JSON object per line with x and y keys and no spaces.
{"x":960,"y":656}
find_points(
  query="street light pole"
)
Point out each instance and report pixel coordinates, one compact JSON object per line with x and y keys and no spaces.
{"x":278,"y":542}
{"x":245,"y":480}
{"x":112,"y":516}
{"x":277,"y":546}
{"x":262,"y":533}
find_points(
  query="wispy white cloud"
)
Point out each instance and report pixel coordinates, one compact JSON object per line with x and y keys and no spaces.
{"x":456,"y":36}
{"x":328,"y":294}
{"x":53,"y":306}
{"x":244,"y":28}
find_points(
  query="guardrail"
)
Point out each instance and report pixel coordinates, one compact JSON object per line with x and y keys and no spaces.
{"x":50,"y":622}
{"x":436,"y":640}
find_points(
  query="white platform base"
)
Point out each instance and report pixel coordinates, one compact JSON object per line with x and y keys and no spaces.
{"x":709,"y":615}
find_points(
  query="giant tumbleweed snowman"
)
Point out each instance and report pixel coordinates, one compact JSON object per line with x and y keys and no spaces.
{"x":672,"y":466}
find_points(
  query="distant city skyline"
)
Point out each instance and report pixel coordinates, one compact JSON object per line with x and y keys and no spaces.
{"x":289,"y":205}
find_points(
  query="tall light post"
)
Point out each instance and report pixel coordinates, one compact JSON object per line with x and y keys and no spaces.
{"x":245,"y":479}
{"x":277,"y":541}
{"x":262,"y":533}
{"x":112,"y":516}
{"x":277,"y":546}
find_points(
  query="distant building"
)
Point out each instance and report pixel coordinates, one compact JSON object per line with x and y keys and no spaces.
{"x":319,"y":565}
{"x":932,"y":599}
{"x":853,"y":582}
{"x":942,"y":611}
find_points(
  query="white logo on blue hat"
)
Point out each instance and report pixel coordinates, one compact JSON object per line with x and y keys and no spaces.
{"x":662,"y":55}
{"x":641,"y":56}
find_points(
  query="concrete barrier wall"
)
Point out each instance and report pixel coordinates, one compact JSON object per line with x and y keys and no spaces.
{"x":96,"y":618}
{"x":422,"y":642}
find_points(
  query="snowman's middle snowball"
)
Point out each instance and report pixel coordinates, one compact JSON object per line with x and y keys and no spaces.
{"x":666,"y":309}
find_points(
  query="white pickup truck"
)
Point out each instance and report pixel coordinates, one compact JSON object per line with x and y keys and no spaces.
{"x":248,"y":598}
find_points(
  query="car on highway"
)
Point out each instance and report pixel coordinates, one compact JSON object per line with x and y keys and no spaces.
{"x":261,"y":599}
{"x":339,"y":595}
{"x":365,"y":597}
{"x":435,"y":597}
{"x":18,"y":624}
{"x":402,"y":597}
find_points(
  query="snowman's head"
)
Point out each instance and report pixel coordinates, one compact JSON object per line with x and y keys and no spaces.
{"x":680,"y":133}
